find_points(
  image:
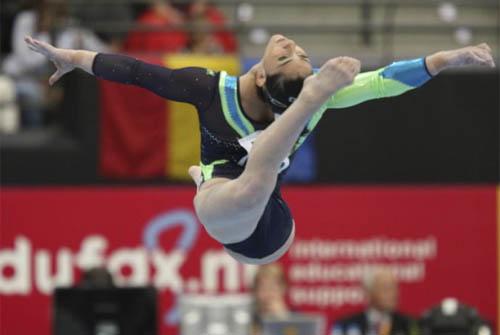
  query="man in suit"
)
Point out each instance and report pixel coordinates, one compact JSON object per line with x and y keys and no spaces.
{"x":381,"y":316}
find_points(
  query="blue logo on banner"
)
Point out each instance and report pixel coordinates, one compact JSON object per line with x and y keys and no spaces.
{"x":163,"y":223}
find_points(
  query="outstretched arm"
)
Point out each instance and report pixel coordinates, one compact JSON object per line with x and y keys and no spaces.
{"x":400,"y":77}
{"x":192,"y":85}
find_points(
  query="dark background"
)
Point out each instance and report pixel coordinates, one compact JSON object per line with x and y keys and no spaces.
{"x":445,"y":132}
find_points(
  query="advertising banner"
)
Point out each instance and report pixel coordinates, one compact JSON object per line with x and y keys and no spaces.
{"x":441,"y":241}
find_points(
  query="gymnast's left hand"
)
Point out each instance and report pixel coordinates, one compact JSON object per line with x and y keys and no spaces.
{"x":479,"y":55}
{"x":62,"y":58}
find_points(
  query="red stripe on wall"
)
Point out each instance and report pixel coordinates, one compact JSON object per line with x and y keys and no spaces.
{"x":132,"y":136}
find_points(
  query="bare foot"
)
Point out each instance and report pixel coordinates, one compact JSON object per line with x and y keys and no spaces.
{"x":333,"y":75}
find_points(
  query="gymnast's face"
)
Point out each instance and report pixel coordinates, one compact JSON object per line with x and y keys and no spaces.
{"x":283,"y":56}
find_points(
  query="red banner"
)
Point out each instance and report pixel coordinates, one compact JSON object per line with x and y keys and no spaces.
{"x":440,"y":240}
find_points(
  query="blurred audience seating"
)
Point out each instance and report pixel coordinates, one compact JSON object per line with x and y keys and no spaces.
{"x":48,"y":21}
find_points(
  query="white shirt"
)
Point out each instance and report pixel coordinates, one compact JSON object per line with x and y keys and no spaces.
{"x":24,"y":61}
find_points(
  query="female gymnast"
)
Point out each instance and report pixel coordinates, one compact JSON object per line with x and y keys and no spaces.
{"x":251,"y":125}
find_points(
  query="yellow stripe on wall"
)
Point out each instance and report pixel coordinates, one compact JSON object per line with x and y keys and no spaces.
{"x":183,"y":136}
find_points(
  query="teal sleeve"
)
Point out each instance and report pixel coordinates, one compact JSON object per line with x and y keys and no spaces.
{"x":392,"y":80}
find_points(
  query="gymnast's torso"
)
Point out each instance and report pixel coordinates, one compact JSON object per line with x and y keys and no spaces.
{"x":227,"y":133}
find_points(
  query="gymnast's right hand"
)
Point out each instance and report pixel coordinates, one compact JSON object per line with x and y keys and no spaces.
{"x":62,"y":58}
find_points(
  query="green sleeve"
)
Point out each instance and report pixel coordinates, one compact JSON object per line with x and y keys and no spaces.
{"x":367,"y":86}
{"x":392,"y":80}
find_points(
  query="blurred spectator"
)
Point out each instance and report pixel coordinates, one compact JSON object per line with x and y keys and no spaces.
{"x":381,"y":316}
{"x":269,"y":291}
{"x":98,"y":277}
{"x":160,"y":15}
{"x":203,"y":14}
{"x":9,"y":110}
{"x":48,"y":21}
{"x":114,"y":17}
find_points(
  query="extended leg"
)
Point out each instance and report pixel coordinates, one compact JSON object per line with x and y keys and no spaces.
{"x":238,"y":204}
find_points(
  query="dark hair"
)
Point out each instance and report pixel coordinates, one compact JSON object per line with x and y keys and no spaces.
{"x":98,"y":277}
{"x":280,"y":91}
